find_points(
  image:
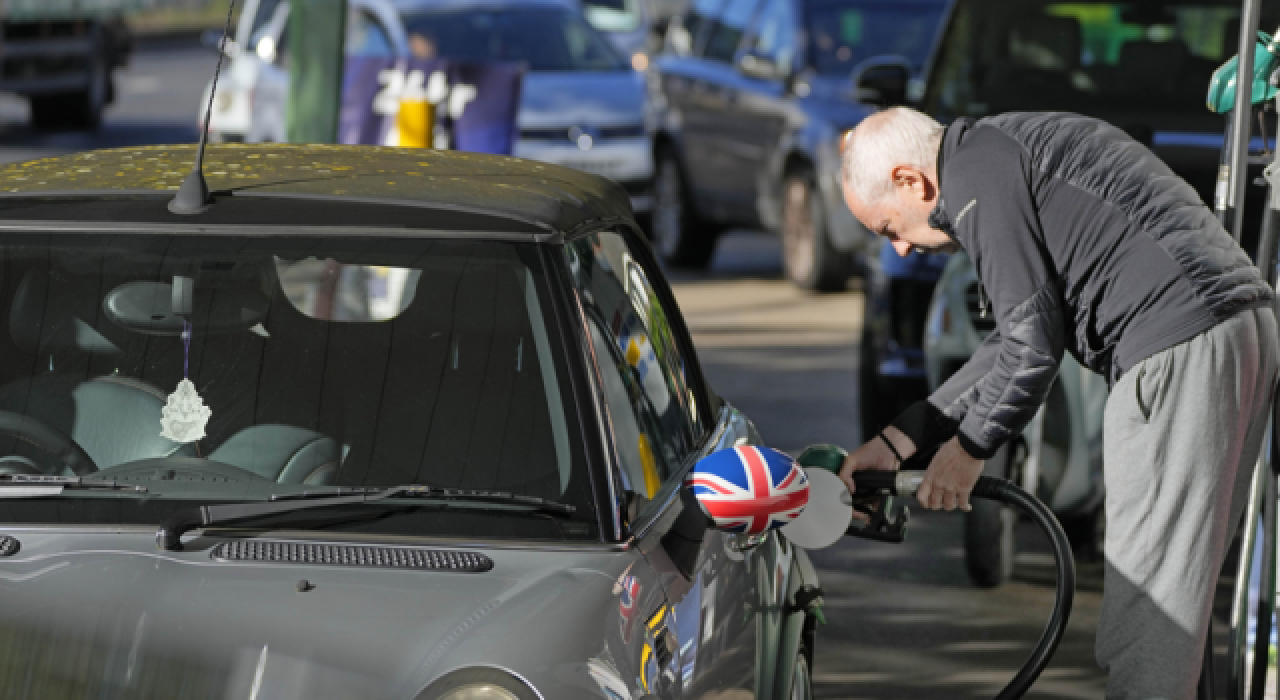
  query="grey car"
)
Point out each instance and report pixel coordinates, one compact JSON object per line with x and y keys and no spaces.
{"x":378,"y":423}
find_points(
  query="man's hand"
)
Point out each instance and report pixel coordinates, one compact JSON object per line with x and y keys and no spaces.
{"x":876,"y":455}
{"x":949,"y":478}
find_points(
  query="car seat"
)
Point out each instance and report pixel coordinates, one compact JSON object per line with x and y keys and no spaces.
{"x":1041,"y":55}
{"x":114,"y":418}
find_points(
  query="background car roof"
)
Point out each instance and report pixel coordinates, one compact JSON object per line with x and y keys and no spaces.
{"x":549,"y":196}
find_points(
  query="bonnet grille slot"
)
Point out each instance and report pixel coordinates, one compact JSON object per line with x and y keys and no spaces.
{"x":343,"y":555}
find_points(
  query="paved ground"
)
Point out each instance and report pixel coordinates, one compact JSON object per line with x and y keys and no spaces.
{"x":904,"y":621}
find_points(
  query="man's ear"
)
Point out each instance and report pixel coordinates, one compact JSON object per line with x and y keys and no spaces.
{"x":916,"y":180}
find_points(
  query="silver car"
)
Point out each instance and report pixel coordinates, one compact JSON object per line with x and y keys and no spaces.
{"x":378,"y":423}
{"x":1058,"y":457}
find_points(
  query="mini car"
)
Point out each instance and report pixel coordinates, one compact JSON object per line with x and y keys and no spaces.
{"x":1058,"y":457}
{"x":375,"y":423}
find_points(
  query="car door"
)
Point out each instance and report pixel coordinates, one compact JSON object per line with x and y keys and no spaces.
{"x":683,"y":75}
{"x":721,"y":172}
{"x":763,"y":108}
{"x":643,"y":360}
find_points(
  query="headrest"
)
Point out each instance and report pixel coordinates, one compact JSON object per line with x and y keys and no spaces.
{"x":1044,"y":42}
{"x":43,"y":317}
{"x":148,"y":307}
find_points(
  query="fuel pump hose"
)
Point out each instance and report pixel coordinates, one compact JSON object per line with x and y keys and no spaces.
{"x":905,"y":483}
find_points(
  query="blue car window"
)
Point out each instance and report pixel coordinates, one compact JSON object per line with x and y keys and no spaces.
{"x":842,"y":33}
{"x":726,"y":35}
{"x":650,"y":405}
{"x":544,"y":38}
{"x":366,"y":37}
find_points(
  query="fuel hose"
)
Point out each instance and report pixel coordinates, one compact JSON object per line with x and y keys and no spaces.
{"x":906,"y":482}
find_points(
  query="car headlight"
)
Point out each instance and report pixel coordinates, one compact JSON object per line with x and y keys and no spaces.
{"x":479,"y":684}
{"x":479,"y":691}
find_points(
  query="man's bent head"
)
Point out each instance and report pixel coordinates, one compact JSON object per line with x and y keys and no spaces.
{"x":890,"y":178}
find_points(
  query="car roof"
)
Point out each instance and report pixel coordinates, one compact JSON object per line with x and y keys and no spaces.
{"x":550,"y":197}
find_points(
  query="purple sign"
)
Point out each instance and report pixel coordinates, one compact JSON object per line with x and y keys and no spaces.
{"x":471,"y":106}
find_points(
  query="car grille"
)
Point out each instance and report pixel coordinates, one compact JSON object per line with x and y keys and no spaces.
{"x":973,"y":302}
{"x":632,"y":131}
{"x":343,"y":555}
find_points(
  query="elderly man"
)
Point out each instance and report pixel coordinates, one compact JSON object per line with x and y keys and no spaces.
{"x":1085,"y":241}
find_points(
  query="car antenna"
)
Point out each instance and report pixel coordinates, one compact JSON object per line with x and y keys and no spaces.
{"x":193,"y":196}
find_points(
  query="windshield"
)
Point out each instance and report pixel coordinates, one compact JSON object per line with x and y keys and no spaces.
{"x":220,"y":368}
{"x":846,"y":32}
{"x":612,"y":15}
{"x":1112,"y":60}
{"x":544,"y":38}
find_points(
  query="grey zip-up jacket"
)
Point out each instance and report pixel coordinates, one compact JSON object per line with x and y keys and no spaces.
{"x":1084,"y":240}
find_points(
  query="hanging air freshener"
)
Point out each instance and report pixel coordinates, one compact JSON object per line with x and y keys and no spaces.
{"x":184,"y":415}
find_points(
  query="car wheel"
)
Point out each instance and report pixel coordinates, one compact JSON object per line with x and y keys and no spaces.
{"x":810,"y":260}
{"x":680,"y":237}
{"x":989,"y":546}
{"x":801,"y":682}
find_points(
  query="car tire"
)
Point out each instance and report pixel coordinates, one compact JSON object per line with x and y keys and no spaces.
{"x":681,"y":238}
{"x":808,"y":257}
{"x":801,"y":680}
{"x":989,"y":547}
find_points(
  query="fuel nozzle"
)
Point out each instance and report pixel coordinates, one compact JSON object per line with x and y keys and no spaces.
{"x":877,"y":497}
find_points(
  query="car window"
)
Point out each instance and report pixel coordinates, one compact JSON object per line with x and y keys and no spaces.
{"x":366,"y":36}
{"x":774,"y":34}
{"x":726,"y":33}
{"x":685,"y":35}
{"x":843,"y":33}
{"x":1099,"y":58}
{"x":545,"y":38}
{"x":612,"y":15}
{"x":281,"y":364}
{"x":639,"y":361}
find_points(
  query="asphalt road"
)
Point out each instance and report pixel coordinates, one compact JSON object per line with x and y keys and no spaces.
{"x":903,"y":620}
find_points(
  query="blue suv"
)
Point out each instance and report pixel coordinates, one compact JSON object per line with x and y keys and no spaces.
{"x":751,"y":99}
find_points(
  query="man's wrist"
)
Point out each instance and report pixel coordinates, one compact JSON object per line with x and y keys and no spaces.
{"x":973,"y":449}
{"x":900,"y":441}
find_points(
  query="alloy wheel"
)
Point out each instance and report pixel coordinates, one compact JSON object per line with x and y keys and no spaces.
{"x":798,"y":234}
{"x":668,"y":209}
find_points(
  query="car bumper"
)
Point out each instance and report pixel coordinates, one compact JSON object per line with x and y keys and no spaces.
{"x":627,"y":161}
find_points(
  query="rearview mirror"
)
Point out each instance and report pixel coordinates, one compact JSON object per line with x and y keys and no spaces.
{"x":749,"y":490}
{"x":882,"y":80}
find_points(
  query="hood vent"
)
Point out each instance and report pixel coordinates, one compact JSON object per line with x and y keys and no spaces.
{"x":341,"y":555}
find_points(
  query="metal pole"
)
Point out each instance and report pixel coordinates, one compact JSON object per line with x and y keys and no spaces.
{"x":1242,"y":116}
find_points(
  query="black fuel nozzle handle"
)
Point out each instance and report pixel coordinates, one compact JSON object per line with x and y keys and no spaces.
{"x":901,"y":482}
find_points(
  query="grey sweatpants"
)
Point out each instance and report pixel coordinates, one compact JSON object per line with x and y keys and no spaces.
{"x":1181,"y":435}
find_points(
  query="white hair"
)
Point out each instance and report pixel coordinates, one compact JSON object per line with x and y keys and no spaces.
{"x":883,"y":141}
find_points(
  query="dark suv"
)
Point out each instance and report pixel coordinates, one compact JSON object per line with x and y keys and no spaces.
{"x":752,"y":97}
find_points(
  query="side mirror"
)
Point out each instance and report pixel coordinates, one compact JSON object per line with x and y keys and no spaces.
{"x":882,"y":80}
{"x":749,"y":490}
{"x":758,"y":66}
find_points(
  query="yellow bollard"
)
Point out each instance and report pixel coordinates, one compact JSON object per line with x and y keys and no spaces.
{"x":415,"y":123}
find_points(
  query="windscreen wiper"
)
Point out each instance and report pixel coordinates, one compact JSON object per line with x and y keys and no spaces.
{"x":36,"y":485}
{"x":169,"y":536}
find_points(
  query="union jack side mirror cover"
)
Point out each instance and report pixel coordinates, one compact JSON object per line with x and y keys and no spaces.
{"x":749,"y":490}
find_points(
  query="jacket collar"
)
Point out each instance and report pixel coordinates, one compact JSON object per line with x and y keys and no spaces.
{"x":950,"y":141}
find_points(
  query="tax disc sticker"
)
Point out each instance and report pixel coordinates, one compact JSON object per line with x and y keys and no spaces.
{"x":184,"y":415}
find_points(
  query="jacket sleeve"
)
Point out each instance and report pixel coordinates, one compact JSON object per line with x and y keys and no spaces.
{"x":925,"y":421}
{"x":989,"y":179}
